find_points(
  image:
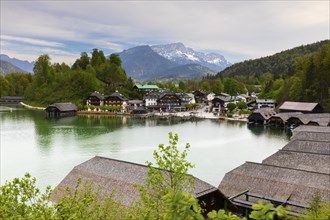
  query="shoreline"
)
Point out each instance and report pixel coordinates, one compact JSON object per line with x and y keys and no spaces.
{"x":31,"y":107}
{"x":183,"y":115}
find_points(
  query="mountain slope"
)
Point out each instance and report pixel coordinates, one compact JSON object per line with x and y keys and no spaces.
{"x":141,"y":62}
{"x":279,"y":63}
{"x":180,"y":54}
{"x":23,"y":65}
{"x":184,"y":72}
{"x":6,"y":68}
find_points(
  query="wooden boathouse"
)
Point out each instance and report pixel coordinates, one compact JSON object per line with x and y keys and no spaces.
{"x":61,"y":110}
{"x":122,"y":177}
{"x":292,"y":176}
{"x":11,"y":99}
{"x":261,"y":115}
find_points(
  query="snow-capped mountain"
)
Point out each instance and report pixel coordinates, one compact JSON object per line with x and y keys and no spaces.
{"x":178,"y":53}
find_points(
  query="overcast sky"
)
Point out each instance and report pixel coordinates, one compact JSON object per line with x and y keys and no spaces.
{"x":239,"y":30}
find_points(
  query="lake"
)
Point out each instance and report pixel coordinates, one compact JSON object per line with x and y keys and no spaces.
{"x":49,"y":148}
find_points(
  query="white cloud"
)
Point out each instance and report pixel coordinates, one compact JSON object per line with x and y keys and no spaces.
{"x":249,"y":29}
{"x":32,"y":41}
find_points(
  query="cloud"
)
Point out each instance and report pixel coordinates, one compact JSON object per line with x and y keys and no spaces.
{"x":32,"y":41}
{"x":249,"y":29}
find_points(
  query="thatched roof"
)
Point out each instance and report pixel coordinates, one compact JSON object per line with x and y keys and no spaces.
{"x":318,"y":147}
{"x":121,"y":176}
{"x":282,"y":183}
{"x":300,"y":160}
{"x":63,"y":107}
{"x":298,"y":106}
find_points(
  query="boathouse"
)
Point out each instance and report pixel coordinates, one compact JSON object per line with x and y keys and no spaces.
{"x":291,"y":177}
{"x":321,"y":119}
{"x":11,"y":99}
{"x":281,"y":119}
{"x":260,"y":116}
{"x":61,"y":110}
{"x":304,"y":107}
{"x":122,"y":177}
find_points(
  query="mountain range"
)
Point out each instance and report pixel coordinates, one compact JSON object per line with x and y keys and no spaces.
{"x":18,"y":65}
{"x":6,"y":67}
{"x":170,"y":62}
{"x":150,"y":63}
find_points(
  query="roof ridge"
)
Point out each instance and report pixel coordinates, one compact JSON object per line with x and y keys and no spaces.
{"x":305,"y":152}
{"x":288,"y":168}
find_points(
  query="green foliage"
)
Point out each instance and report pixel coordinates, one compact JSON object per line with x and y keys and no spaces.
{"x":241,"y":105}
{"x":222,"y":215}
{"x":318,"y":210}
{"x":231,"y":106}
{"x":267,"y":212}
{"x":21,"y":199}
{"x":233,"y":87}
{"x":83,"y":202}
{"x":168,"y":187}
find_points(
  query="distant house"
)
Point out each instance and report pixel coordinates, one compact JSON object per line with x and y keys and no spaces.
{"x":122,"y":177}
{"x":116,"y":99}
{"x":304,"y":107}
{"x":185,"y":98}
{"x":96,"y":99}
{"x":202,"y":96}
{"x":145,"y":88}
{"x":61,"y":110}
{"x":265,"y":103}
{"x":219,"y":103}
{"x":151,"y":99}
{"x":260,"y":116}
{"x":134,"y":104}
{"x":169,"y":100}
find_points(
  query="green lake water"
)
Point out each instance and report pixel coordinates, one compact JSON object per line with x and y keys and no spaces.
{"x":49,"y":148}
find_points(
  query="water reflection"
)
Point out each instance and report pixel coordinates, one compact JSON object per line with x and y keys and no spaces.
{"x":269,"y":131}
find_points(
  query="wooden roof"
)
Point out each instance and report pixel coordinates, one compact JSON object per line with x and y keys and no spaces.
{"x":63,"y":107}
{"x":97,"y":95}
{"x":285,"y":115}
{"x":266,"y":113}
{"x":318,"y":147}
{"x":295,"y":173}
{"x":300,"y":160}
{"x":121,"y":176}
{"x":298,"y":106}
{"x":309,"y":128}
{"x":282,"y":183}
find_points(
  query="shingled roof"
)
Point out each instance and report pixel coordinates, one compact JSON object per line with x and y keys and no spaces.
{"x":299,"y":106}
{"x":282,"y":183}
{"x":63,"y":107}
{"x":121,"y":176}
{"x":294,"y":174}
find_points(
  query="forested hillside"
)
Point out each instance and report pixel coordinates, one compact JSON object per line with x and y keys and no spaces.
{"x":278,"y":64}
